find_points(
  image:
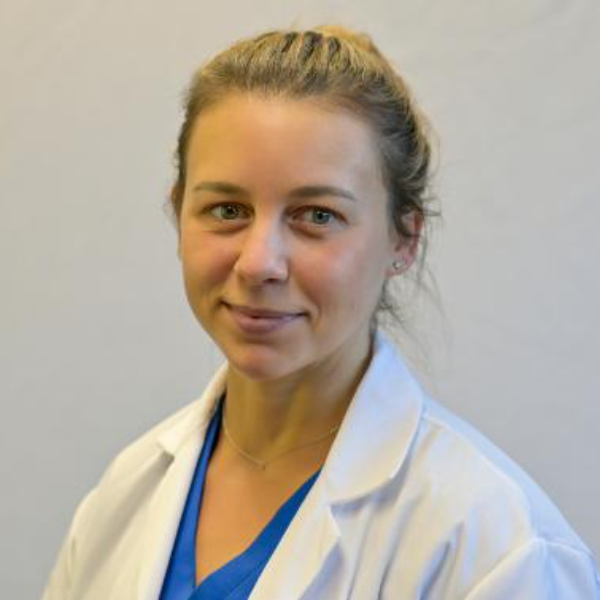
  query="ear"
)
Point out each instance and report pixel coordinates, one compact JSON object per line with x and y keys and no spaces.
{"x":405,"y":249}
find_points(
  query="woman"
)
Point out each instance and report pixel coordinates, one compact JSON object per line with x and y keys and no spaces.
{"x":313,"y":466}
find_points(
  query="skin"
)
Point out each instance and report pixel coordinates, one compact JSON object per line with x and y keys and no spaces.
{"x":265,"y":240}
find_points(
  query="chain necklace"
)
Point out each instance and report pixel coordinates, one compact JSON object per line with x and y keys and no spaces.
{"x":262,"y":464}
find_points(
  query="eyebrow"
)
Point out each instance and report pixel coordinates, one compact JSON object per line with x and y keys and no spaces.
{"x":307,"y":191}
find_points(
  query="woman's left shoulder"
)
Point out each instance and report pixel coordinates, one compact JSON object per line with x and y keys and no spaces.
{"x":475,"y":525}
{"x":454,"y":459}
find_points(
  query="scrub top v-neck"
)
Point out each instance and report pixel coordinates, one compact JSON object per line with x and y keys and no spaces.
{"x":236,"y":578}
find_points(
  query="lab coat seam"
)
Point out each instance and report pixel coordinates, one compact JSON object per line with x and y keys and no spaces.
{"x":569,"y":547}
{"x":523,"y":549}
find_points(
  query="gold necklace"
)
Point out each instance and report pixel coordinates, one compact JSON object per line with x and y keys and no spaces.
{"x":262,"y":464}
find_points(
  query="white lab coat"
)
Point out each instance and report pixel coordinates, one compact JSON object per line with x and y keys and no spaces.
{"x":411,"y":504}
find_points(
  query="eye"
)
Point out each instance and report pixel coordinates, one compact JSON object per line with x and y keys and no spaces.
{"x":317,"y":215}
{"x":228,"y":212}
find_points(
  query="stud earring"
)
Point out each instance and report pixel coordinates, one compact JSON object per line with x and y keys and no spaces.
{"x":398,"y":264}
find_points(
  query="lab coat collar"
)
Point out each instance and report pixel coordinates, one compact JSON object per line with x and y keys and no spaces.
{"x":173,"y":439}
{"x":378,"y":429}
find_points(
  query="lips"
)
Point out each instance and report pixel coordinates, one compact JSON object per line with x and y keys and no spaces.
{"x":261,"y":313}
{"x":259,"y":320}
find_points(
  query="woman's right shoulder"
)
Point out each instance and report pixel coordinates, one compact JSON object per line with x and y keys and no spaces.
{"x":112,"y":509}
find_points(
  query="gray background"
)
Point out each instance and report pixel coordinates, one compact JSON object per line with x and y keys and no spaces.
{"x":97,"y":342}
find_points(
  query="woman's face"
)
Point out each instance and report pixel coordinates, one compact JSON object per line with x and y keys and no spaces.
{"x":285,"y":241}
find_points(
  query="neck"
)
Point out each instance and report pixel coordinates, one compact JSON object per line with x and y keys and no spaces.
{"x":269,"y":417}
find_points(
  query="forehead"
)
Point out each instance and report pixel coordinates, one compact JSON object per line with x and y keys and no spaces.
{"x":288,"y":137}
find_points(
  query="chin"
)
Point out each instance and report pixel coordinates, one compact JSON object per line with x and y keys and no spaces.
{"x":259,"y":372}
{"x":258,"y":364}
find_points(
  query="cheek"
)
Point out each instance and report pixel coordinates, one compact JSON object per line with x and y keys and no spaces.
{"x":347,"y":277}
{"x":203,"y":263}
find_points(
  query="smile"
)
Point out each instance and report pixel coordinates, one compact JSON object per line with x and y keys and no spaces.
{"x":254,"y":320}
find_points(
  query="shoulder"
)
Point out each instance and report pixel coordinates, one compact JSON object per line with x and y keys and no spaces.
{"x":421,"y":456}
{"x":105,"y":515}
{"x":479,"y":523}
{"x":447,"y":464}
{"x":449,"y":502}
{"x":148,"y":446}
{"x":109,"y":525}
{"x":454,"y":459}
{"x":132,"y":475}
{"x":163,"y":441}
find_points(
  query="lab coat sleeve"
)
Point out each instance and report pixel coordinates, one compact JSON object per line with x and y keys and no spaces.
{"x":541,"y":570}
{"x":59,"y":586}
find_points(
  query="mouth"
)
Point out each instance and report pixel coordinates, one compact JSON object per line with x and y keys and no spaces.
{"x":260,"y":320}
{"x":260,"y":312}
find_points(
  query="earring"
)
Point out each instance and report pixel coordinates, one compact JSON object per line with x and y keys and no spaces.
{"x":398,"y":264}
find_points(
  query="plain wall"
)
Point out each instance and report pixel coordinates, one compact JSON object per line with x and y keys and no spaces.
{"x":97,"y":341}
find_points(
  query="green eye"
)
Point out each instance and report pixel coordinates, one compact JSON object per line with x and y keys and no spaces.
{"x":316,"y":215}
{"x":226,"y":212}
{"x":321,"y":216}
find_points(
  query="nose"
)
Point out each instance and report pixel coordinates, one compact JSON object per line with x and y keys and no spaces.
{"x":263,"y":255}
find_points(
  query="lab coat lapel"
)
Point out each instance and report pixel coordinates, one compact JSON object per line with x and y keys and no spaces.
{"x":181,"y":446}
{"x":378,"y":430}
{"x":163,"y":520}
{"x":302,"y":553}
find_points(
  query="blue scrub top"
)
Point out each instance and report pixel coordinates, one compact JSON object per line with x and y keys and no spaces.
{"x":235,"y":579}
